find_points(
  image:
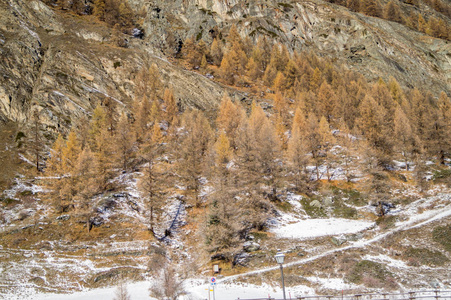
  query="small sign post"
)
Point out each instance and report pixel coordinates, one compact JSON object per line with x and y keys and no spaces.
{"x":213,"y":283}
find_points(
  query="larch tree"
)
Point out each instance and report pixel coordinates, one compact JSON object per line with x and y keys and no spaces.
{"x":316,"y":80}
{"x":216,"y":52}
{"x":327,"y":141}
{"x":229,"y":67}
{"x":371,"y":8}
{"x":99,"y":9}
{"x":406,"y":141}
{"x":279,"y":82}
{"x":280,"y":105}
{"x":192,"y":152}
{"x":264,"y":47}
{"x":313,"y":141}
{"x":68,"y":182}
{"x":253,"y":70}
{"x":347,"y":141}
{"x":327,"y":100}
{"x":259,"y":152}
{"x":297,"y":152}
{"x":170,"y":106}
{"x":55,"y":162}
{"x":81,"y":129}
{"x":55,"y":169}
{"x":442,"y":128}
{"x":37,"y":144}
{"x":154,"y":178}
{"x":392,"y":12}
{"x":111,"y":114}
{"x":372,"y":125}
{"x":101,"y":144}
{"x":124,"y":143}
{"x":270,"y":73}
{"x":225,"y":216}
{"x":87,"y":184}
{"x":291,"y":74}
{"x":353,"y":5}
{"x":422,"y":25}
{"x":230,"y":117}
{"x":97,"y":124}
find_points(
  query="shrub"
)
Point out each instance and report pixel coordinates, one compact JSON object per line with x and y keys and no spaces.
{"x":425,"y":257}
{"x":442,"y":235}
{"x":372,"y":274}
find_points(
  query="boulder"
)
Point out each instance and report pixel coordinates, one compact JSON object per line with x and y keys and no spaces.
{"x":250,"y":246}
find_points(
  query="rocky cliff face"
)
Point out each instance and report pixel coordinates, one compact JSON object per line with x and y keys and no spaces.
{"x":64,"y":64}
{"x":374,"y":47}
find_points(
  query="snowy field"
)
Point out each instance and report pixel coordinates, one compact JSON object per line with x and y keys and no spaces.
{"x":197,"y":290}
{"x":311,"y":228}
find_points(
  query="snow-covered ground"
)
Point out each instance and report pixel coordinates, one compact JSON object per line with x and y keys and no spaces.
{"x":197,"y":290}
{"x":311,"y":228}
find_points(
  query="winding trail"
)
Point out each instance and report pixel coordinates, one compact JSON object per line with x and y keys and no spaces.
{"x":414,"y":221}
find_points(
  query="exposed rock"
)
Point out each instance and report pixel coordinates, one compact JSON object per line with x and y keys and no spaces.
{"x":338,"y":241}
{"x":241,"y":259}
{"x":63,"y":217}
{"x":315,"y":203}
{"x":250,"y":246}
{"x":64,"y":66}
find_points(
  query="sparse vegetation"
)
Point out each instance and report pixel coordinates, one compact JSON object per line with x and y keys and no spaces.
{"x":425,"y":257}
{"x":442,"y":235}
{"x":372,"y":274}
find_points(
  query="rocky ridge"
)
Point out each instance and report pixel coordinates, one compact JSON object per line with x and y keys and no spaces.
{"x":64,"y":64}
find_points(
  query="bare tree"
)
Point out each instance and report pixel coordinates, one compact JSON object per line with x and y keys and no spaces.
{"x":121,"y":291}
{"x":169,"y":285}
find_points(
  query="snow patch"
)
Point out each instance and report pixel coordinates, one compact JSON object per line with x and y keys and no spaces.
{"x":333,"y":283}
{"x":311,"y":228}
{"x":381,"y":258}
